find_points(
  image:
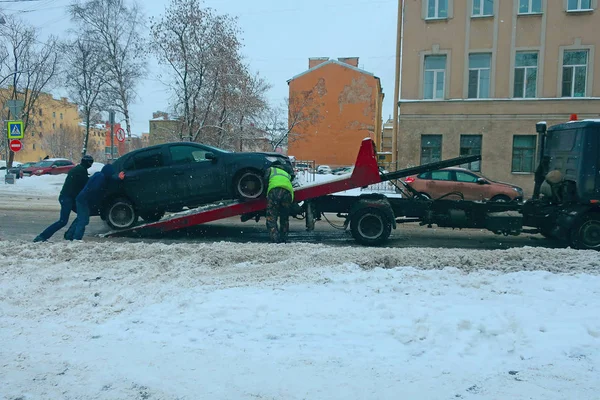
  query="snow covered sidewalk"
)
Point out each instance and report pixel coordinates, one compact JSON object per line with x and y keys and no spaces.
{"x":300,"y":321}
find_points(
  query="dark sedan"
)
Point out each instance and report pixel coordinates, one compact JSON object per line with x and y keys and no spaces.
{"x":171,"y":176}
{"x":18,"y":169}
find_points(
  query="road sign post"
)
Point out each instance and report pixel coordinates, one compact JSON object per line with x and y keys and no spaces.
{"x":14,"y":129}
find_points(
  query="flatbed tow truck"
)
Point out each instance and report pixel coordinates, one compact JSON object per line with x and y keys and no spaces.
{"x":568,"y":176}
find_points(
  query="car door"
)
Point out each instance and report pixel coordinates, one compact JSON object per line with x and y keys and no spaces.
{"x":196,"y":178}
{"x":467,"y":184}
{"x":439,"y":184}
{"x":63,"y":167}
{"x":147,"y":180}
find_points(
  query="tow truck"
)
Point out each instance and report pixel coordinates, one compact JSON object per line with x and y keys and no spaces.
{"x":565,"y":205}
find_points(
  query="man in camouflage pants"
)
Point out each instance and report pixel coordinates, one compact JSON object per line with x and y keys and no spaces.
{"x":280,"y":195}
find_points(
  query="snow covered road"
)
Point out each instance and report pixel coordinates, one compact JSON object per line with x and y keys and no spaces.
{"x":301,"y":321}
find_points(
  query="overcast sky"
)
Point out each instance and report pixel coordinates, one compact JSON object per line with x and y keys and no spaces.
{"x":278,"y":35}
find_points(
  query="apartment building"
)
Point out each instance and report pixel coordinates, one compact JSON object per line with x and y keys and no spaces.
{"x":478,"y":74}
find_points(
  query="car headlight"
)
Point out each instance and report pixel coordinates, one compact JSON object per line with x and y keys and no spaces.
{"x":518,"y":190}
{"x":39,"y":171}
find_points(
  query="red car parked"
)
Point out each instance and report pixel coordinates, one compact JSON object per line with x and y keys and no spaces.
{"x":50,"y":166}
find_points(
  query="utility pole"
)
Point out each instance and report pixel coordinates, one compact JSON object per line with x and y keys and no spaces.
{"x":397,"y":85}
{"x":111,"y":118}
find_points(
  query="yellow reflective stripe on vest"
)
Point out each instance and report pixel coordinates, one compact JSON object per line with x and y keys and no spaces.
{"x":280,"y":178}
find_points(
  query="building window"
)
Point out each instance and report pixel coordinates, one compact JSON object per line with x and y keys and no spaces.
{"x":431,"y":148}
{"x":40,"y":124}
{"x":61,"y":126}
{"x":479,"y":75}
{"x":523,"y":154}
{"x":579,"y":5}
{"x":33,"y":146}
{"x":574,"y":73}
{"x":530,"y":6}
{"x":526,"y":74}
{"x":54,"y":114}
{"x":32,"y":133}
{"x":483,"y":8}
{"x":435,"y":73}
{"x":61,"y":116}
{"x":437,"y":9}
{"x":53,"y":125}
{"x":470,"y":145}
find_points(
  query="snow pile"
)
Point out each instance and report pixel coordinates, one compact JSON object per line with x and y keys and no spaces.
{"x":250,"y":321}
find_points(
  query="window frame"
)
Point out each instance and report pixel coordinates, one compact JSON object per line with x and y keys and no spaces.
{"x":435,"y":77}
{"x":522,"y":155}
{"x":437,"y":10}
{"x":579,"y":9}
{"x":430,"y":152}
{"x":573,"y":68}
{"x":469,"y":166}
{"x":526,"y":68}
{"x":479,"y":69}
{"x":530,"y":8}
{"x":482,"y":13}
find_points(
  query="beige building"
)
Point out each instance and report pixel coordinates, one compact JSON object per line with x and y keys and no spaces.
{"x":478,"y":74}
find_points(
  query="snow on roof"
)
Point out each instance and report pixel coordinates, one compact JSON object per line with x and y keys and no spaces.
{"x":343,"y":64}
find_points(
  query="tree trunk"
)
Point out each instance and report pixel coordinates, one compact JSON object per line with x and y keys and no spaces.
{"x":87,"y":132}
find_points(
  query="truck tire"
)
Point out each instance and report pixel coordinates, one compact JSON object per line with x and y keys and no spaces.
{"x":370,"y":226}
{"x":121,"y":214}
{"x":586,"y":233}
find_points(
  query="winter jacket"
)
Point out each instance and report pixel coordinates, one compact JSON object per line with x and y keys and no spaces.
{"x":279,"y":178}
{"x":75,"y":181}
{"x":93,"y":192}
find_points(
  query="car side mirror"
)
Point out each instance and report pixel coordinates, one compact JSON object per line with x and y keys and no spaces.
{"x":54,"y":166}
{"x":482,"y":181}
{"x":210,"y":156}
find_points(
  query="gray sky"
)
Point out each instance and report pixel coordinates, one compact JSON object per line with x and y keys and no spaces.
{"x":278,"y":35}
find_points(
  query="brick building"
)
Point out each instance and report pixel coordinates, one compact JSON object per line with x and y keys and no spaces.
{"x":333,"y":106}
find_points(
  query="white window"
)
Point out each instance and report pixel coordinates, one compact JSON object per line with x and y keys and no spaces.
{"x":437,"y":8}
{"x":526,"y":66}
{"x":574,"y":73}
{"x":434,"y":77}
{"x":530,"y":6}
{"x":579,"y":5}
{"x":482,"y":8}
{"x":479,"y":75}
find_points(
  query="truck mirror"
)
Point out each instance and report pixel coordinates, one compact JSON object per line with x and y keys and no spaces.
{"x":540,"y":127}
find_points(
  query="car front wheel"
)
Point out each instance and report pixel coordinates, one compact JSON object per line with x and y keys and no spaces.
{"x":249,"y":185}
{"x":121,"y":214}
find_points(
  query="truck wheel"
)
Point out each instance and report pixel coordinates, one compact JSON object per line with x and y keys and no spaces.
{"x":586,"y":234}
{"x":370,"y":226}
{"x":121,"y":214}
{"x":248,"y":185}
{"x":153,"y":216}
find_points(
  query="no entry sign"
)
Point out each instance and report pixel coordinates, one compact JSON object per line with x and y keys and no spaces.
{"x":16,"y":145}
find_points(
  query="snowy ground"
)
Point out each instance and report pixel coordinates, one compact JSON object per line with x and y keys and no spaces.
{"x":257,"y":321}
{"x":103,"y":320}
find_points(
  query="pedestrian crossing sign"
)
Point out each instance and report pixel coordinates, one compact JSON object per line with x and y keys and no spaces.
{"x":15,"y":129}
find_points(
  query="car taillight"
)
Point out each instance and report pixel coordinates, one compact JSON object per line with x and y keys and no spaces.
{"x":410,"y":179}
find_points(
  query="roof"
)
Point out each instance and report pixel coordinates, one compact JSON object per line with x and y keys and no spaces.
{"x":342,"y":64}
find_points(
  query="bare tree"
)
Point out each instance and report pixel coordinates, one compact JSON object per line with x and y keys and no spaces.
{"x":31,"y":65}
{"x":85,"y":78}
{"x":114,"y":26}
{"x":64,"y":142}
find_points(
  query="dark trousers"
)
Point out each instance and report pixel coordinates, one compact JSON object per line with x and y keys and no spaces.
{"x":66,"y":205}
{"x":279,"y":203}
{"x":77,"y":228}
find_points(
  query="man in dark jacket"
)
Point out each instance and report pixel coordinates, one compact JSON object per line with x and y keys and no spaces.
{"x":74,"y":182}
{"x":89,"y":198}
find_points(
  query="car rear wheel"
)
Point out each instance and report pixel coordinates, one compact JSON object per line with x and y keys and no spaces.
{"x":501,"y":198}
{"x":249,"y":185}
{"x":586,"y":234}
{"x":121,"y":214}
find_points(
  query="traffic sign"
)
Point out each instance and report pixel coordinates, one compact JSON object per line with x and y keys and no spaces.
{"x":15,"y":129}
{"x":121,"y":135}
{"x":16,"y":145}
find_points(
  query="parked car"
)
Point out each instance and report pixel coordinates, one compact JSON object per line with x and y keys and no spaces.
{"x":18,"y":169}
{"x":171,"y":176}
{"x":473,"y":186}
{"x":323,"y":169}
{"x":342,"y":170}
{"x":299,"y":167}
{"x":50,"y":166}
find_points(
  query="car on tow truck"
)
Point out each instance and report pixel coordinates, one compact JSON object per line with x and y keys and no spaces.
{"x":171,"y":176}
